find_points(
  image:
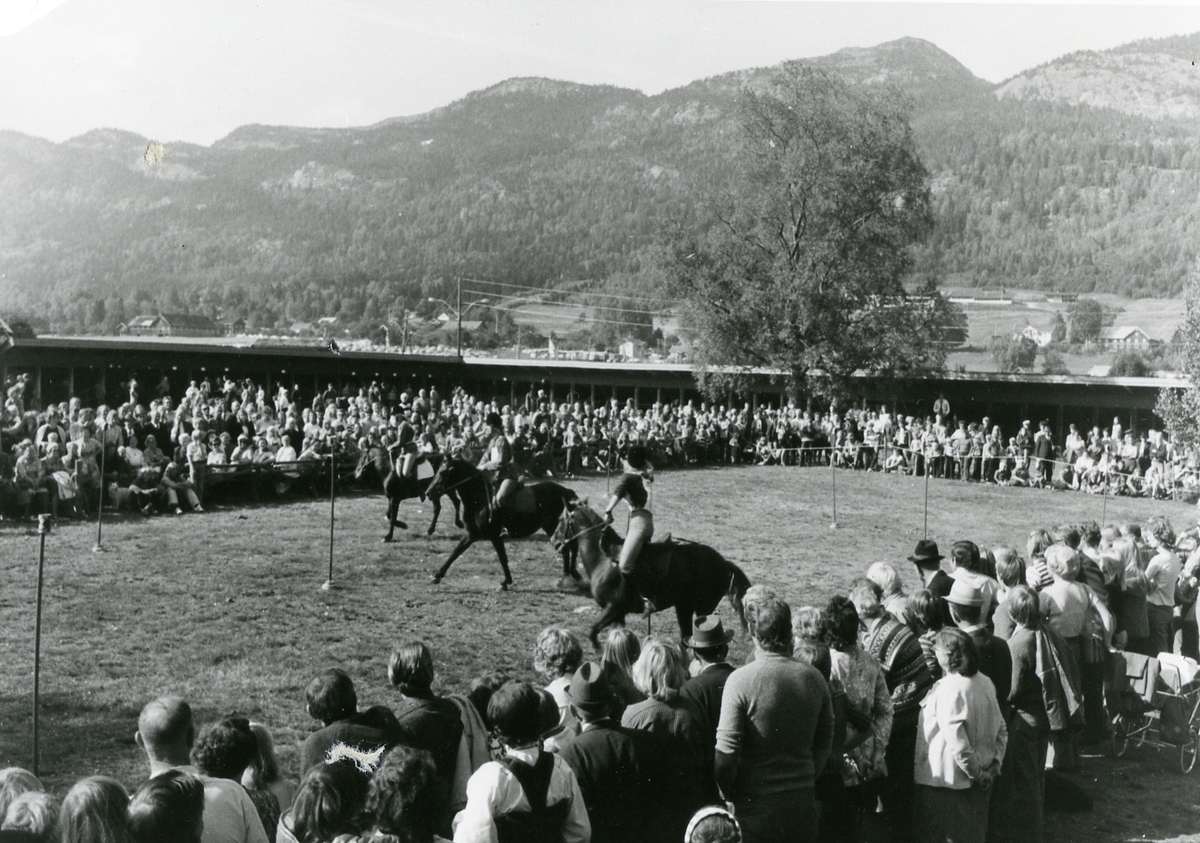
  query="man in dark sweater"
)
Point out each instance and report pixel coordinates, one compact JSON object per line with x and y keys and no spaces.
{"x":774,"y":736}
{"x":621,"y":772}
{"x":710,"y":644}
{"x":332,"y":700}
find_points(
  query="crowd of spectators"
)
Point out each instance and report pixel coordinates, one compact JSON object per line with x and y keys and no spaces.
{"x":927,"y":712}
{"x":158,"y":454}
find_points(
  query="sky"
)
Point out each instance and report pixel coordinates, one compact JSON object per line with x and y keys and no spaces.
{"x":194,"y":70}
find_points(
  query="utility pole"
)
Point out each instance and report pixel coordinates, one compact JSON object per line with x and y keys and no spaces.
{"x":458,"y":311}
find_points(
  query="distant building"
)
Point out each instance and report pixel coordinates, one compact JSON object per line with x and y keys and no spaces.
{"x":1062,"y":298}
{"x":172,"y":325}
{"x":1042,"y":338}
{"x":1126,"y":337}
{"x":632,"y":349}
{"x":982,"y":297}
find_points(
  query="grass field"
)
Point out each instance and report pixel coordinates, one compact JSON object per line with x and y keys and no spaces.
{"x":226,"y":608}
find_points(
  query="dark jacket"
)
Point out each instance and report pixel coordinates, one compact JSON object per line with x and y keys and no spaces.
{"x":623,"y":778}
{"x":364,"y":730}
{"x":433,"y":724}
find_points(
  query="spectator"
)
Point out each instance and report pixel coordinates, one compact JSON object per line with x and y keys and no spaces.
{"x":93,"y":811}
{"x":13,"y":782}
{"x":711,"y":670}
{"x":1162,"y":573}
{"x":557,"y":654}
{"x":1029,"y":726}
{"x":713,"y":825}
{"x":969,"y":567}
{"x":895,"y":601}
{"x":225,"y":750}
{"x":622,"y":773}
{"x":676,"y":720}
{"x":427,"y":721}
{"x":166,"y":734}
{"x":529,"y":795}
{"x":907,"y":677}
{"x":170,"y":808}
{"x":332,"y":700}
{"x":34,"y":813}
{"x":619,"y":650}
{"x":406,"y":799}
{"x":775,"y":735}
{"x":264,"y":772}
{"x":869,"y":708}
{"x":960,"y":746}
{"x":327,"y":805}
{"x":928,"y":562}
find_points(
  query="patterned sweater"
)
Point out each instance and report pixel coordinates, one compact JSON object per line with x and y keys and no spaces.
{"x":904,"y":668}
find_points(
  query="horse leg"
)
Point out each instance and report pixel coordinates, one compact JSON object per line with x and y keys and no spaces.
{"x":503,"y":555}
{"x":683,"y":614}
{"x":613,"y":614}
{"x":437,"y":510}
{"x":458,"y":522}
{"x":393,"y":522}
{"x":467,"y":541}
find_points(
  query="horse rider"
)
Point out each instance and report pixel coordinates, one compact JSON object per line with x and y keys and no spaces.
{"x":498,"y":462}
{"x":405,"y":450}
{"x":636,"y":471}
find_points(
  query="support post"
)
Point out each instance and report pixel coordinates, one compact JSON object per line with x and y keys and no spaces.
{"x":43,"y":529}
{"x":459,"y":314}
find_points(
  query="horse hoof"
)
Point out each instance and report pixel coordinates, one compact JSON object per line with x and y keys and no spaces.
{"x":435,"y":580}
{"x":429,"y":532}
{"x":504,"y":585}
{"x":387,"y":539}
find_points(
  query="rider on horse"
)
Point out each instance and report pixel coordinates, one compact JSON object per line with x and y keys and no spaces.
{"x":498,"y":463}
{"x":632,"y":490}
{"x":406,"y":449}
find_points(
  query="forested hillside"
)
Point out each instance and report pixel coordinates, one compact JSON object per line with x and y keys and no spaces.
{"x":1083,"y":174}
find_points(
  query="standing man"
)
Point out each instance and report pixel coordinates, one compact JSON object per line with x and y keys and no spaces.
{"x":621,"y":772}
{"x":166,"y":733}
{"x":774,"y":736}
{"x":710,"y":644}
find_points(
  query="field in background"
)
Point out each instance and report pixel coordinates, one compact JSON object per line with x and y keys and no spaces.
{"x":226,"y":610}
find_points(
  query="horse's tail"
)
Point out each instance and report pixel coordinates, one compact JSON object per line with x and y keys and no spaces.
{"x":739,"y":583}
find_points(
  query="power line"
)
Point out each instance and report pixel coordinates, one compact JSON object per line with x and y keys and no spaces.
{"x":659,"y":313}
{"x":552,"y":290}
{"x":542,"y":315}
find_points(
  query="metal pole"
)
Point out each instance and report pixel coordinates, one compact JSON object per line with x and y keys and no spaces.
{"x":332,"y":486}
{"x":1104,"y":505}
{"x":99,"y":548}
{"x":926,"y":532}
{"x":833,"y":486}
{"x":458,"y":311}
{"x":43,"y":529}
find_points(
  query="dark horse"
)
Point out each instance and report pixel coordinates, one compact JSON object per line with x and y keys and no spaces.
{"x":535,"y":507}
{"x":399,"y":488}
{"x":696,"y":576}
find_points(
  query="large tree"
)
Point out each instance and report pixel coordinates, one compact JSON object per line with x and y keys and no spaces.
{"x":802,"y":267}
{"x":1180,"y":408}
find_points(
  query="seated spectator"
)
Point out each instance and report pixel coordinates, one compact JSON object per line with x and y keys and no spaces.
{"x":152,"y":454}
{"x":225,"y":750}
{"x":426,"y":720}
{"x":556,"y":656}
{"x":93,"y":811}
{"x":166,"y":734}
{"x":530,"y":795}
{"x":244,"y":452}
{"x":35,"y":815}
{"x":328,"y":805}
{"x":169,"y":808}
{"x":331,"y":699}
{"x":176,"y":483}
{"x":406,"y":799}
{"x":264,"y":772}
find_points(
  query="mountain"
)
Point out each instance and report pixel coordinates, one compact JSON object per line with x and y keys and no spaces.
{"x":1037,"y":182}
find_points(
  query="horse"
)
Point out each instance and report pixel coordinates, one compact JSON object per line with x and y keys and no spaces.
{"x":696,"y":576}
{"x":535,"y":507}
{"x":399,"y":488}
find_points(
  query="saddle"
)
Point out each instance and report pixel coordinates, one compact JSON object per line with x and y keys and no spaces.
{"x":522,"y":502}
